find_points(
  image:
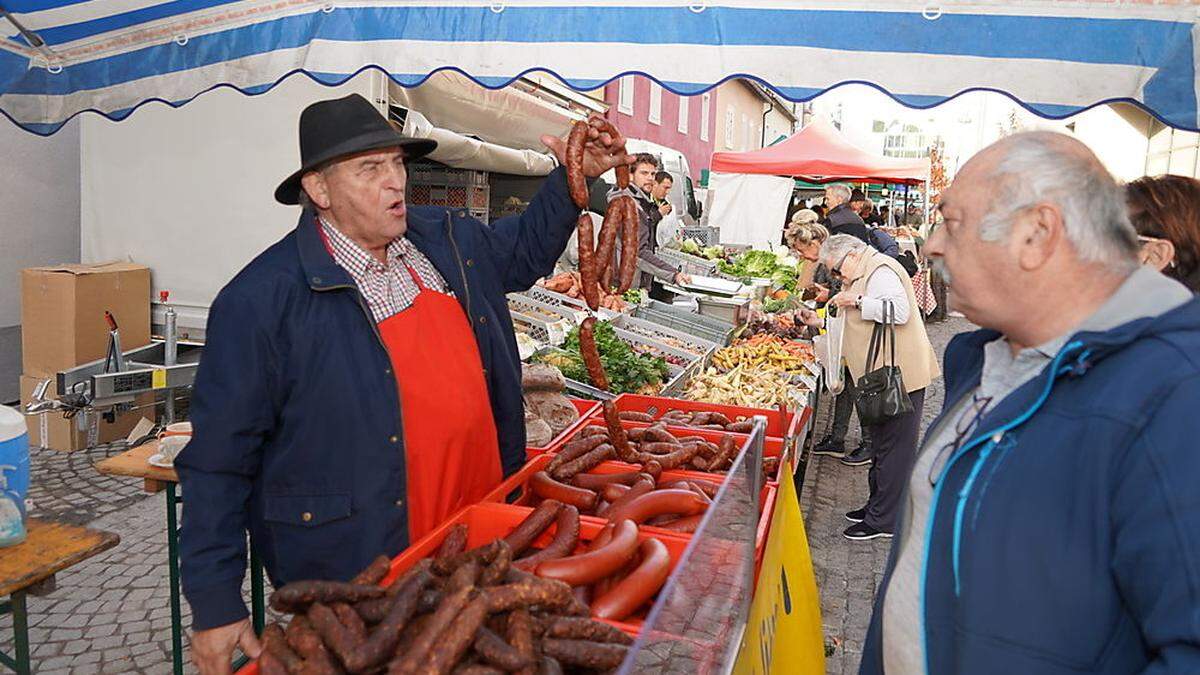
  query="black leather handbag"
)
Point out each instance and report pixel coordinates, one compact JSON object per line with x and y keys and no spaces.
{"x":881,"y":395}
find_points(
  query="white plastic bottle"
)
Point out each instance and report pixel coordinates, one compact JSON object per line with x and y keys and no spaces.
{"x":14,"y":476}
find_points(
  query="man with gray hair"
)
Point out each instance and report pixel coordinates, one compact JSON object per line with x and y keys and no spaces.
{"x":1053,"y":518}
{"x":841,"y":217}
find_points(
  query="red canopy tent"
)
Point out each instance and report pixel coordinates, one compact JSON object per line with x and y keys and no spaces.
{"x":819,"y":153}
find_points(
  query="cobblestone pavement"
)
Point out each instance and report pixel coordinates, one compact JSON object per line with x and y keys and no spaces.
{"x":111,"y":613}
{"x":849,"y":572}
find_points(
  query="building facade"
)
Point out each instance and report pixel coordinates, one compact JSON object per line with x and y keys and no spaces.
{"x":642,"y":109}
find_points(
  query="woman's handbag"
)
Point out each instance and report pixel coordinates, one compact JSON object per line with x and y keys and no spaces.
{"x":881,"y":392}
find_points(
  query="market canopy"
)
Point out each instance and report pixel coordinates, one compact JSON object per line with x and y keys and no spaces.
{"x":820,"y":153}
{"x":1056,"y":56}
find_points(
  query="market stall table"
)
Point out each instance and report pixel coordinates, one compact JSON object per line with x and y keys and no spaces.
{"x":29,"y":567}
{"x":135,"y":463}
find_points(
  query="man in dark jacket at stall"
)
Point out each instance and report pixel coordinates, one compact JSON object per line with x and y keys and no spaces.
{"x":1052,"y":520}
{"x":650,"y":265}
{"x":842,"y":218}
{"x":360,"y":381}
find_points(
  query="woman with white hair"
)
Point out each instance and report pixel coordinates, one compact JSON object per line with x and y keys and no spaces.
{"x":869,"y":280}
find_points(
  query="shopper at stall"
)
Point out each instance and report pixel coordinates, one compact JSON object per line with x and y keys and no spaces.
{"x":1165,"y":211}
{"x":841,"y":217}
{"x":669,"y":226}
{"x":871,"y":279}
{"x":360,"y":380}
{"x":1052,"y":518}
{"x":865,"y":208}
{"x":650,"y":265}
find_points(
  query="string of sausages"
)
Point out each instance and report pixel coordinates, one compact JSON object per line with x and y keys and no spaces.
{"x":596,"y":261}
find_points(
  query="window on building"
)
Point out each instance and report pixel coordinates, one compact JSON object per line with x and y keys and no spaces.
{"x":683,"y":114}
{"x":729,"y":128}
{"x":655,"y":103}
{"x":1173,"y":151}
{"x":625,"y":95}
{"x":705,"y":105}
{"x":745,"y":132}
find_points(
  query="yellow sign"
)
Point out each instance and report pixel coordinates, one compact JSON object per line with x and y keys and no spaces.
{"x":158,"y":379}
{"x":784,"y":634}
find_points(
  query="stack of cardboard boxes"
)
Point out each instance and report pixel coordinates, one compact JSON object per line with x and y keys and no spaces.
{"x":63,"y":325}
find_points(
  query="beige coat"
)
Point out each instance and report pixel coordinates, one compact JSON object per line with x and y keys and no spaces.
{"x":914,"y":354}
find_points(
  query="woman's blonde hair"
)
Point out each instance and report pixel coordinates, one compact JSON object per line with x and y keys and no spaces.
{"x":802,"y":234}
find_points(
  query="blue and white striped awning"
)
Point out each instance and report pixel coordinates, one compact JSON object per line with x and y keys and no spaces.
{"x":1055,"y":56}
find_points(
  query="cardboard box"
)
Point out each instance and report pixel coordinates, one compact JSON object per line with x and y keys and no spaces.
{"x":62,"y":313}
{"x":52,"y":430}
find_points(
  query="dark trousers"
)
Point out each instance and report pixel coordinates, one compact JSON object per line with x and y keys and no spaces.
{"x":895,"y":449}
{"x":843,"y":406}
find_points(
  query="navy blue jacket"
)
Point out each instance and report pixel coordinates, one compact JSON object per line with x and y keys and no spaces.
{"x":1066,"y":532}
{"x":298,"y":427}
{"x":883,"y":242}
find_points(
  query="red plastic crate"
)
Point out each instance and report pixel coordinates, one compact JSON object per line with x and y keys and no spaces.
{"x":772,"y":447}
{"x":519,"y":479}
{"x":780,"y":423}
{"x":487,"y":522}
{"x":587,"y":410}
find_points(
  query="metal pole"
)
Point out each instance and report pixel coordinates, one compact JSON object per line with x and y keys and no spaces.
{"x":173,"y":574}
{"x":20,"y":633}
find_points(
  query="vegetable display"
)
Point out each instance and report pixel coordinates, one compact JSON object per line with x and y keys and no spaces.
{"x":763,"y":265}
{"x":742,"y":386}
{"x":765,"y":352}
{"x":627,"y":370}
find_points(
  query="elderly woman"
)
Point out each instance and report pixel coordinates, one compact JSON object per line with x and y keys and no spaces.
{"x":870,"y":279}
{"x":1165,"y":211}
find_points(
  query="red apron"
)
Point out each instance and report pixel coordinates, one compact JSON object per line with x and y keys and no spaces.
{"x":450,"y":441}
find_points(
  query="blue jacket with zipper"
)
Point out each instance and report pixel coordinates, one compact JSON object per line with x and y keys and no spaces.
{"x":1065,"y":533}
{"x":298,"y":425}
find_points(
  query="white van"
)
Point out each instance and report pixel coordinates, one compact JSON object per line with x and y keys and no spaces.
{"x":682,"y":195}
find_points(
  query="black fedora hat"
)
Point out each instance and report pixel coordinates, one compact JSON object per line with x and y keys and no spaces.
{"x":340,"y":127}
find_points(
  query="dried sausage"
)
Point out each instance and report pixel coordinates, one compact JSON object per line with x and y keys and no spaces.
{"x":590,"y":354}
{"x":585,"y":463}
{"x":298,"y":595}
{"x":496,"y":570}
{"x":549,"y":666}
{"x":585,"y":233}
{"x":743,"y":427}
{"x":335,"y":634}
{"x":618,"y":143}
{"x":566,"y":538}
{"x":575,"y":628}
{"x":457,"y":638}
{"x":629,"y":243}
{"x":416,"y":654}
{"x":635,"y":416}
{"x":520,"y":635}
{"x":534,"y":524}
{"x":608,"y":242}
{"x":659,"y":503}
{"x":594,"y":565}
{"x":467,"y":575}
{"x":454,"y":543}
{"x":597,"y":481}
{"x":634,"y":590}
{"x":616,"y":434}
{"x":351,"y":620}
{"x":528,"y":592}
{"x":686,"y":524}
{"x":725,"y":455}
{"x":576,"y":182}
{"x":499,"y":653}
{"x":483,"y":554}
{"x":710,"y":488}
{"x":546,"y":487}
{"x":680,"y":456}
{"x":374,"y":573}
{"x":381,"y":644}
{"x":578,"y":447}
{"x":275,"y":647}
{"x":584,"y":653}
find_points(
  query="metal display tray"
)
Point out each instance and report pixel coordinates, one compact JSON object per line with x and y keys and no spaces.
{"x":685,"y":320}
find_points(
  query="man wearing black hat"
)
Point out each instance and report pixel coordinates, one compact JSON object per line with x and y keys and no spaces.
{"x":360,"y":381}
